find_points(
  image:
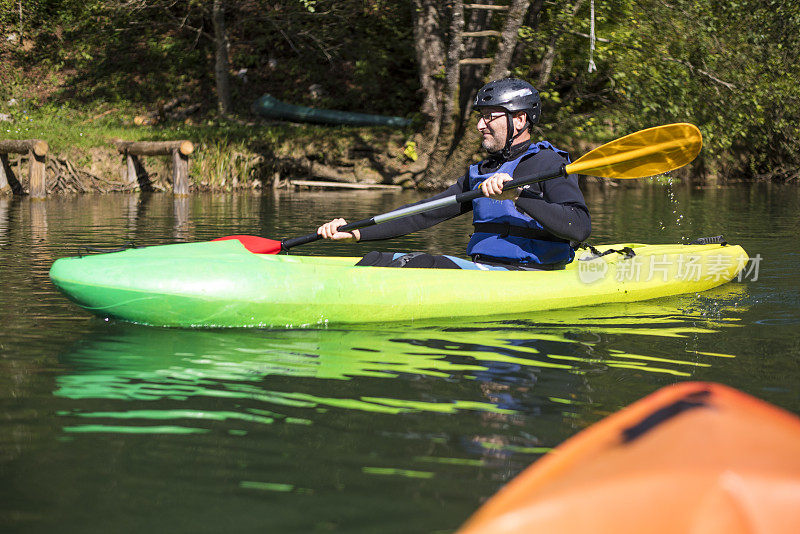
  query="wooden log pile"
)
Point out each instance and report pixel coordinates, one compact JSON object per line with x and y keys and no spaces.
{"x":36,"y":151}
{"x":178,"y":150}
{"x":61,"y":176}
{"x":64,"y":177}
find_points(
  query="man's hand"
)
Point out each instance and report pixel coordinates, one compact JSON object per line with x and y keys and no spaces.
{"x":492,"y":187}
{"x":330,"y":230}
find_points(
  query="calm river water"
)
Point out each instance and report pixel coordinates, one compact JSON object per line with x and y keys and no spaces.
{"x":111,"y":427}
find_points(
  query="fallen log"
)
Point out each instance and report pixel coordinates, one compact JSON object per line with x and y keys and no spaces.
{"x":153,"y":148}
{"x":23,"y":146}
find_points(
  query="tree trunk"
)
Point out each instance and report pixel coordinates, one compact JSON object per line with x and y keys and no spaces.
{"x":452,"y":76}
{"x":550,"y":54}
{"x":21,"y":27}
{"x":430,"y":51}
{"x":466,"y":147}
{"x":429,"y":48}
{"x":472,"y":75}
{"x":221,"y":63}
{"x":508,"y":39}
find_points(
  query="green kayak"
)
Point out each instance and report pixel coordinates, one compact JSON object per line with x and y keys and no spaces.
{"x":223,"y":284}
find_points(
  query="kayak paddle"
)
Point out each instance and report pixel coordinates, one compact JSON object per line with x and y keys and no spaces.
{"x":644,"y":153}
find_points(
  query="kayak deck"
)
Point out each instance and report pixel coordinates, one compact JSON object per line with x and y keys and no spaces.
{"x":693,"y":457}
{"x":222,"y":284}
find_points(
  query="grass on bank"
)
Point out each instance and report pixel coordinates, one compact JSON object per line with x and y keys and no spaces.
{"x":228,"y":154}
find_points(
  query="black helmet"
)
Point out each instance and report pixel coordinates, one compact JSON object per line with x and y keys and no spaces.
{"x":511,"y":94}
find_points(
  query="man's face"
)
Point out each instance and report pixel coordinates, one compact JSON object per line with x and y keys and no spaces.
{"x":493,"y":125}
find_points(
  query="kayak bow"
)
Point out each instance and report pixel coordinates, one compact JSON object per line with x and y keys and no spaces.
{"x":690,"y":458}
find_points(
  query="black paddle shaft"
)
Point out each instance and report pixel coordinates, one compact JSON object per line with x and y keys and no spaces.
{"x":413,"y":209}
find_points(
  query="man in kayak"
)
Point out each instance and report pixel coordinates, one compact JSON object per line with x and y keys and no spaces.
{"x":532,"y":227}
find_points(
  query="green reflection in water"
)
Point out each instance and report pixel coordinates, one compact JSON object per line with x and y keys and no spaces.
{"x":512,"y":448}
{"x":558,"y":400}
{"x":266,"y":486}
{"x":175,"y":414}
{"x":450,"y":461}
{"x":135,"y":429}
{"x":408,"y":473}
{"x":287,"y":376}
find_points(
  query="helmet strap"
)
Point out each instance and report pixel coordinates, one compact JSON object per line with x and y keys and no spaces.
{"x":511,"y":136}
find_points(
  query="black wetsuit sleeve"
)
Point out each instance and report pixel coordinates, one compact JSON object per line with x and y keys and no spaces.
{"x":420,"y":221}
{"x":557,"y":204}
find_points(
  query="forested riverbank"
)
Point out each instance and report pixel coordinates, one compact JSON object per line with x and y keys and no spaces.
{"x":81,"y":74}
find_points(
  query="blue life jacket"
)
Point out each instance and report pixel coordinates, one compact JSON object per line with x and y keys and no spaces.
{"x":509,"y":247}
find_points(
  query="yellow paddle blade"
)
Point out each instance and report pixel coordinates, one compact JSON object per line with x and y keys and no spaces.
{"x":643,"y":153}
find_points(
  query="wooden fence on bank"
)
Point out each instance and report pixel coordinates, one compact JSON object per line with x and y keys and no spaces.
{"x":178,"y":150}
{"x":36,"y":151}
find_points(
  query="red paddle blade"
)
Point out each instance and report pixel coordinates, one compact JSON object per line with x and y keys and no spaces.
{"x":255,"y":244}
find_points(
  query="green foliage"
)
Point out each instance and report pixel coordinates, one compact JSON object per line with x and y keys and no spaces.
{"x":355,"y":54}
{"x":7,"y":12}
{"x":730,"y":67}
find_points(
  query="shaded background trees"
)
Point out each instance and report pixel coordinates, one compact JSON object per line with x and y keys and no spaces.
{"x":730,"y":68}
{"x":357,"y":53}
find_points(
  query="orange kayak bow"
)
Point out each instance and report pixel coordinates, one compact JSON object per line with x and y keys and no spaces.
{"x":691,"y":458}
